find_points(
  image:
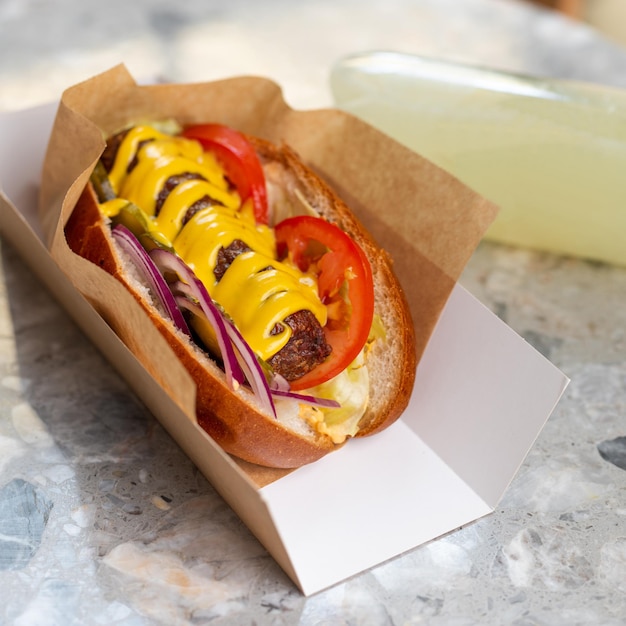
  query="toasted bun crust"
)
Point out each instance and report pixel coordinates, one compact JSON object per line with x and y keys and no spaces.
{"x":233,"y":418}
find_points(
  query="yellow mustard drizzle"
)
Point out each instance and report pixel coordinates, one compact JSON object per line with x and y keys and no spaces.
{"x":257,"y":298}
{"x":127,"y":150}
{"x":257,"y":291}
{"x":110,"y":208}
{"x":184,"y":195}
{"x":279,"y":292}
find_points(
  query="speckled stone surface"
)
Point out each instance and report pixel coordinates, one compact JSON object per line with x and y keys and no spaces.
{"x":103,"y":519}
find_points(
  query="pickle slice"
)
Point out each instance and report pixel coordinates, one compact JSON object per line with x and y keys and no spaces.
{"x":101,"y":183}
{"x":131,"y":216}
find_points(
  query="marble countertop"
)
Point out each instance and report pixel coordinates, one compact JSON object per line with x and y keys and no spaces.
{"x":103,"y":519}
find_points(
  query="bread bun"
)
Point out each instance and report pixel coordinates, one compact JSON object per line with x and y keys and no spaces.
{"x":233,"y":418}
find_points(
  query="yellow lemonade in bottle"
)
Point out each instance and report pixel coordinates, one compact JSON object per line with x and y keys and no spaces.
{"x":551,"y":154}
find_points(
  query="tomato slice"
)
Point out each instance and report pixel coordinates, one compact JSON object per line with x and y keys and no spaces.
{"x":345,"y":286}
{"x":240,"y":162}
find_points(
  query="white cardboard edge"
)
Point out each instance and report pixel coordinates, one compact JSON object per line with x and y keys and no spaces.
{"x":504,"y":392}
{"x":380,"y":497}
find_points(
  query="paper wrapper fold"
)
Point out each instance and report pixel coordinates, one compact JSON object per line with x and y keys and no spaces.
{"x":428,"y":221}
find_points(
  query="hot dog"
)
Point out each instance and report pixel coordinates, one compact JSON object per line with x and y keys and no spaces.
{"x":280,"y":305}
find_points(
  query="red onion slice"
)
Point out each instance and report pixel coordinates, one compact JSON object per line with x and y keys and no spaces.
{"x":307,"y":399}
{"x":252,"y":368}
{"x":279,"y":383}
{"x":168,"y":262}
{"x":246,"y":358}
{"x":129,"y":244}
{"x":230,"y":361}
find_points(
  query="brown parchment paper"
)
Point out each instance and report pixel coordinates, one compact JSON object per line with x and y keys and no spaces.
{"x":428,"y":221}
